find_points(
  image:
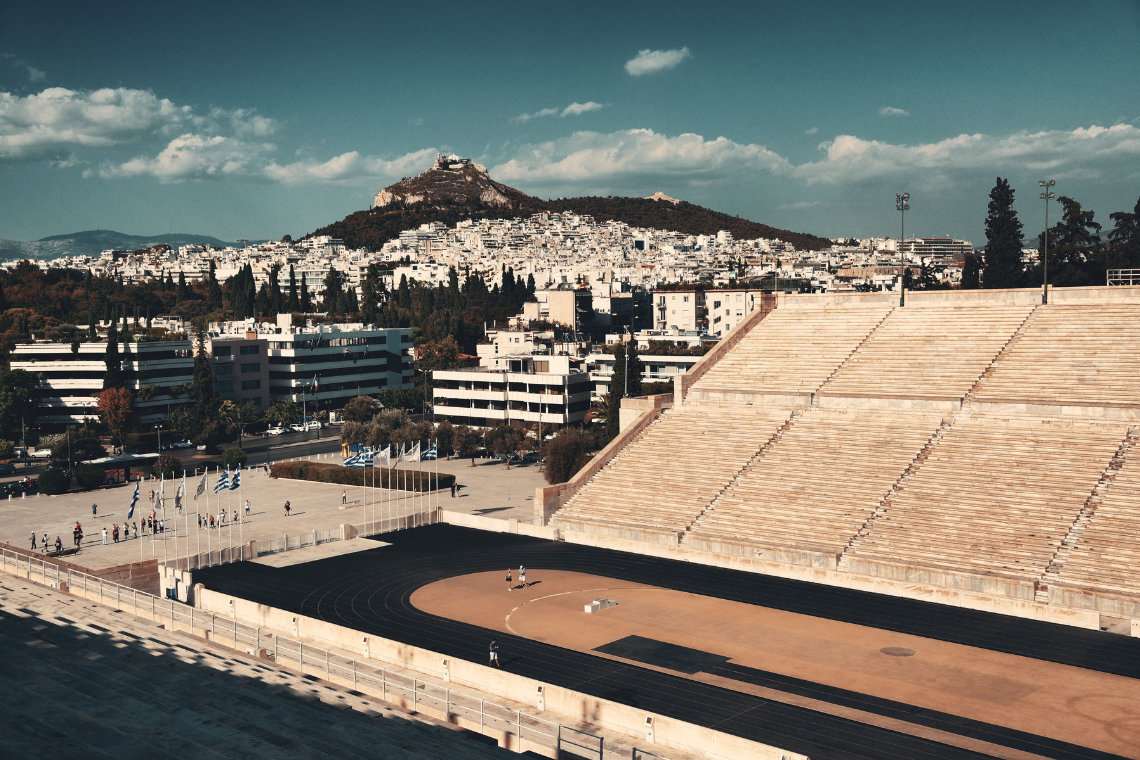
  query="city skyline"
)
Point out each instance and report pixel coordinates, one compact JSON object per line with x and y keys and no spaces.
{"x":240,"y":123}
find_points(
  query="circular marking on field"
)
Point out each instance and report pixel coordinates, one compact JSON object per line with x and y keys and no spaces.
{"x":897,"y":652}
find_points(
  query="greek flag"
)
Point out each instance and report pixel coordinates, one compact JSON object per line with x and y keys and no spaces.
{"x":223,"y":481}
{"x":134,"y":501}
{"x":201,"y":489}
{"x":235,"y":482}
{"x":429,"y":455}
{"x":351,"y":461}
{"x":360,"y":459}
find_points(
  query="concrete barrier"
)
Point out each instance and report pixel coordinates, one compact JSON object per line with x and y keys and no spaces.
{"x":496,"y":525}
{"x":668,"y":732}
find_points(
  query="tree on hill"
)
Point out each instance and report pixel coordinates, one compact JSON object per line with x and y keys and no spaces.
{"x":634,"y":369}
{"x":616,"y":393}
{"x":1003,"y":267}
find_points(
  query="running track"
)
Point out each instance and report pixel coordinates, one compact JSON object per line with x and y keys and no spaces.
{"x":370,"y":591}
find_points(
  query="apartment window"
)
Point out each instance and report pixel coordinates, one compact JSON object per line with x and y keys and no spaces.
{"x":716,"y":304}
{"x":542,"y":366}
{"x":222,"y":351}
{"x":224,"y":370}
{"x":686,"y":299}
{"x":716,"y":321}
{"x":223,"y":387}
{"x":251,"y":367}
{"x":250,"y":350}
{"x":251,"y":385}
{"x":738,"y":296}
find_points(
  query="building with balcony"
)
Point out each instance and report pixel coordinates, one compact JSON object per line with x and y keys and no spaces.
{"x":240,"y":363}
{"x":553,"y":390}
{"x":72,"y":375}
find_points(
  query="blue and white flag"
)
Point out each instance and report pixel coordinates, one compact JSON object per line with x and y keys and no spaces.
{"x":223,"y":481}
{"x":351,"y":461}
{"x":429,"y":455}
{"x":235,"y":482}
{"x":134,"y":501}
{"x":360,"y":459}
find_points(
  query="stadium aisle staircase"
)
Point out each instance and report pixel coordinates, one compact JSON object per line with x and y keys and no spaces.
{"x":929,"y":352}
{"x":994,"y":497}
{"x":815,"y":487}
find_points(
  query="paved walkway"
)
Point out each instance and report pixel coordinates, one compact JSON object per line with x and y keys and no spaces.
{"x":488,"y":488}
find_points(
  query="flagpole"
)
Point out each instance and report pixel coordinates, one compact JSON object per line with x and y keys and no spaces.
{"x":437,"y":475}
{"x":419,"y":483}
{"x":198,"y":515}
{"x":209,"y":538}
{"x":241,"y":518}
{"x":229,"y":507}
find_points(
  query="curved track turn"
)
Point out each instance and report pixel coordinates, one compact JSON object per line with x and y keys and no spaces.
{"x":370,"y":591}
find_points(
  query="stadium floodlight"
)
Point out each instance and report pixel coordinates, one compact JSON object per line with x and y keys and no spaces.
{"x":1047,"y":195}
{"x":902,"y":205}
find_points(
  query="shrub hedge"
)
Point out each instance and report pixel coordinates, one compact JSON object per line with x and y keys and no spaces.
{"x":89,"y":476}
{"x":54,"y":480}
{"x":322,"y":472}
{"x":231,"y":458}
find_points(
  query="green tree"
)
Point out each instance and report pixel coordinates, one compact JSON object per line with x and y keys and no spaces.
{"x":113,"y":378}
{"x":1003,"y":267}
{"x":468,"y":443}
{"x":283,"y":413}
{"x":116,"y":413}
{"x":294,"y":303}
{"x":566,"y":453}
{"x":505,"y":439}
{"x":634,"y":370}
{"x":18,"y":393}
{"x":616,"y":393}
{"x":213,"y":289}
{"x":445,"y":438}
{"x":404,"y":293}
{"x":306,"y":298}
{"x":971,"y":273}
{"x":54,"y":480}
{"x":167,"y":466}
{"x":359,"y":409}
{"x":1074,"y":247}
{"x":334,"y":301}
{"x":231,"y":458}
{"x":1124,"y":238}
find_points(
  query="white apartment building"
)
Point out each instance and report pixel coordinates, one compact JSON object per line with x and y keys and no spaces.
{"x":553,"y":390}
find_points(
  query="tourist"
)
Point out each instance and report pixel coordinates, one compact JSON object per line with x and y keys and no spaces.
{"x":287,"y":509}
{"x":58,"y":545}
{"x":454,"y":488}
{"x":247,"y":505}
{"x":235,"y":516}
{"x":510,"y":581}
{"x":343,"y":497}
{"x":44,"y":547}
{"x":211,"y":521}
{"x":115,"y":533}
{"x":136,"y":530}
{"x":522,"y":576}
{"x":494,"y":654}
{"x":33,"y":540}
{"x":94,"y":509}
{"x":104,"y":536}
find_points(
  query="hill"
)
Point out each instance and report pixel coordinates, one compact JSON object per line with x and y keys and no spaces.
{"x":455,"y":189}
{"x":92,"y":242}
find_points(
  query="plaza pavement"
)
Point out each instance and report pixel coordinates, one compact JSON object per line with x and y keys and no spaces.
{"x":486,"y":489}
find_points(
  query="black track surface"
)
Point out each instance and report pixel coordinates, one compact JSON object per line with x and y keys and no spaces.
{"x":370,"y":591}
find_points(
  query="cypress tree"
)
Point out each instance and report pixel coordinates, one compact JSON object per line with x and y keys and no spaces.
{"x":294,"y":302}
{"x":306,"y":299}
{"x":1003,"y":240}
{"x":616,"y":394}
{"x":635,"y":368}
{"x":112,"y":361}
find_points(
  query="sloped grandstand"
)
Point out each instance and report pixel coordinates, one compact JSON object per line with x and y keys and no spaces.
{"x":973,"y":447}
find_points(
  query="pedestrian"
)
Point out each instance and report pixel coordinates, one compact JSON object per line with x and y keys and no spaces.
{"x":343,"y":497}
{"x":510,"y":581}
{"x":115,"y":533}
{"x":247,"y":507}
{"x":94,"y":509}
{"x":136,"y":530}
{"x":522,"y":576}
{"x":162,"y":526}
{"x":453,"y":490}
{"x":287,"y":509}
{"x":104,"y":536}
{"x":211,"y":521}
{"x":33,"y":540}
{"x":58,"y":545}
{"x":494,"y":654}
{"x":44,"y":545}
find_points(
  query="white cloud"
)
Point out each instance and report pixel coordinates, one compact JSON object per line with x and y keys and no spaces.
{"x":652,"y":61}
{"x":812,"y":131}
{"x":886,"y":111}
{"x":577,"y":109}
{"x":574,"y":109}
{"x":51,"y":122}
{"x":194,"y":156}
{"x":800,"y":205}
{"x":589,"y":156}
{"x":351,"y":166}
{"x":1087,"y":150}
{"x":34,"y":74}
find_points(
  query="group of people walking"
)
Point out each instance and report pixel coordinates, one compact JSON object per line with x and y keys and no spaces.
{"x":222,"y":518}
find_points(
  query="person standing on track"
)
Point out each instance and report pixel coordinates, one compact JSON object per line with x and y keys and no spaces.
{"x":33,"y":540}
{"x":522,"y":576}
{"x":286,"y":509}
{"x":510,"y":580}
{"x":494,"y":654}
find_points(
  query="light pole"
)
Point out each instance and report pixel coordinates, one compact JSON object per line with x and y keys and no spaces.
{"x":158,"y":427}
{"x":902,"y":205}
{"x":1047,"y":195}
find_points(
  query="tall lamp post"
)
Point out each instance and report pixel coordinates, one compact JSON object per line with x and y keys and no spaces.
{"x":902,"y":205}
{"x":1047,"y":195}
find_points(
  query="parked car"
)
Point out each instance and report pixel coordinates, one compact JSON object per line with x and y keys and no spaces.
{"x":297,"y":427}
{"x":7,"y":468}
{"x":202,"y":447}
{"x":275,"y":430}
{"x":41,"y":454}
{"x":183,"y":444}
{"x":530,"y":457}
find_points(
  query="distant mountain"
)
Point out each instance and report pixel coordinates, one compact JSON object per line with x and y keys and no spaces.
{"x":92,"y":242}
{"x":455,"y":189}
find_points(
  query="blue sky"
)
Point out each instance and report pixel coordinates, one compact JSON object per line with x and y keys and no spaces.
{"x":257,"y":119}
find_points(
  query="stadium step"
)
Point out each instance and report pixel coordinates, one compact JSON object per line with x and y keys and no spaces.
{"x":1088,"y":511}
{"x":885,"y":504}
{"x":695,"y":524}
{"x":1009,"y":344}
{"x":835,"y":372}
